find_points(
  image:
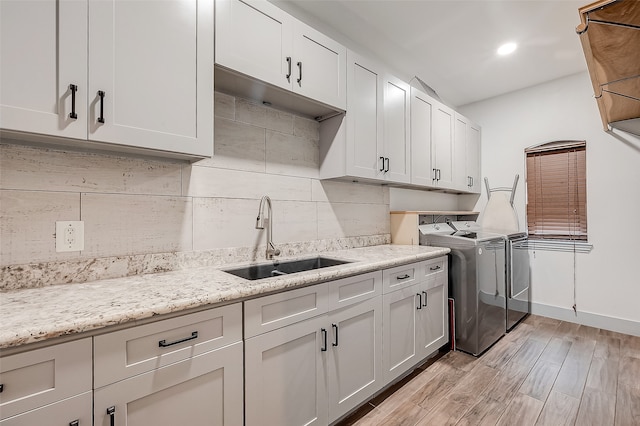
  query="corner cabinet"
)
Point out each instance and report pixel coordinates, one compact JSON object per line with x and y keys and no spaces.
{"x":372,"y":142}
{"x":259,"y":40}
{"x":126,"y":73}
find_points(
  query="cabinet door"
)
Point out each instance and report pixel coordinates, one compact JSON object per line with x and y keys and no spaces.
{"x":397,"y":99}
{"x":442,"y":145}
{"x":473,"y":157}
{"x":203,"y":390}
{"x":63,"y":413}
{"x":355,"y":356}
{"x":319,"y":67}
{"x":285,"y":375}
{"x":254,"y":37}
{"x":432,"y":325}
{"x":400,"y":351}
{"x":43,"y":47}
{"x":365,"y":118}
{"x":421,"y":169}
{"x":153,"y":60}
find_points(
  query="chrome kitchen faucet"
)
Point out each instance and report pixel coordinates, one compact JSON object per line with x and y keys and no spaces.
{"x":271,"y":249}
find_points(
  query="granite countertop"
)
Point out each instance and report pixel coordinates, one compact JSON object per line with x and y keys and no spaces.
{"x":38,"y":314}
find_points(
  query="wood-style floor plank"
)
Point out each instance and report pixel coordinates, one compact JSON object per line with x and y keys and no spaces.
{"x":559,"y":410}
{"x":522,"y":411}
{"x":596,"y":409}
{"x":544,"y":372}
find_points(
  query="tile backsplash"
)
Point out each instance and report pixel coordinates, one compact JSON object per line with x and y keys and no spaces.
{"x":141,"y":211}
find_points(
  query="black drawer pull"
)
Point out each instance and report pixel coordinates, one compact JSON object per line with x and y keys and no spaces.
{"x":75,"y":423}
{"x":101,"y":117}
{"x":426,"y":301}
{"x":419,"y":300}
{"x":434,"y":268}
{"x":300,"y":70}
{"x":288,"y":76}
{"x":404,"y":277}
{"x":164,"y":344}
{"x":74,"y":89}
{"x":111,"y":412}
{"x":335,"y":329}
{"x":324,"y":340}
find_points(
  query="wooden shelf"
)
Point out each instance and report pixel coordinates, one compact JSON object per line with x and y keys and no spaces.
{"x":610,"y":36}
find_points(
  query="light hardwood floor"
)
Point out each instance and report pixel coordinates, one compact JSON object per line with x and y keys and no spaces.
{"x":545,"y":372}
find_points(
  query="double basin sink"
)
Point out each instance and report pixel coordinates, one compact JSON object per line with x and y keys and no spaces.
{"x":276,"y":268}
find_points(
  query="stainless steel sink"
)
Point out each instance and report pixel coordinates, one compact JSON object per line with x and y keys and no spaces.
{"x":267,"y":270}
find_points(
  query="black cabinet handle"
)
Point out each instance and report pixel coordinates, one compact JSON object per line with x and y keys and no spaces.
{"x":75,"y":423}
{"x":419,"y":300}
{"x":382,"y":168}
{"x":438,"y":174}
{"x":386,"y":169}
{"x":111,"y":412}
{"x":101,"y":117}
{"x":1,"y":387}
{"x":434,"y":268}
{"x":435,"y":174}
{"x":289,"y":68}
{"x":300,"y":71}
{"x":163,"y":343}
{"x":426,"y":300}
{"x":324,"y":339}
{"x":74,"y":89}
{"x":471,"y":181}
{"x":403,"y":277}
{"x":335,"y":331}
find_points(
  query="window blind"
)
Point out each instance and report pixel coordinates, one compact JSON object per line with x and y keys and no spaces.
{"x":557,"y":191}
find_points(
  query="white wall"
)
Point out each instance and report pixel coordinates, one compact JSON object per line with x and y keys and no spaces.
{"x":607,"y":284}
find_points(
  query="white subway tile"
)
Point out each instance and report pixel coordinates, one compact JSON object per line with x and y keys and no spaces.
{"x":213,"y":182}
{"x":291,"y":155}
{"x":224,"y":105}
{"x":348,"y":192}
{"x":126,"y":224}
{"x":28,"y":225}
{"x":34,"y":168}
{"x":237,"y":146}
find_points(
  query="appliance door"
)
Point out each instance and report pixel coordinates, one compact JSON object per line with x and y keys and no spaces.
{"x":491,"y":298}
{"x":518,"y":289}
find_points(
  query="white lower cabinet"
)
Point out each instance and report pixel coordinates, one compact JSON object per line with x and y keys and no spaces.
{"x":203,"y":390}
{"x":314,"y":371}
{"x":415,"y":322}
{"x":75,"y":411}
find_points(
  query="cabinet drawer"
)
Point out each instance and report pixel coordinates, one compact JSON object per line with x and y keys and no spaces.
{"x":136,"y":350}
{"x":434,"y":272}
{"x":401,"y":277}
{"x":63,"y":413}
{"x":348,"y":291}
{"x":43,"y":376}
{"x":281,"y":309}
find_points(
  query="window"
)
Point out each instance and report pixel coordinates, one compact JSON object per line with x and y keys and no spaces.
{"x":557,"y":191}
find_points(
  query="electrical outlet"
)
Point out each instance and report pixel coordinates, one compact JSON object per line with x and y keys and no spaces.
{"x":70,"y":236}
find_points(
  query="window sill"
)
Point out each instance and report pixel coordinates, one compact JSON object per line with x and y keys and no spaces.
{"x":559,"y":245}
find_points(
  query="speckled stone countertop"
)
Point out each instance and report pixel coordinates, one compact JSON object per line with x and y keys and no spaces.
{"x":35,"y":315}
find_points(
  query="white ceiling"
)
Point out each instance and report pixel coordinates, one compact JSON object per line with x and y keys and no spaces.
{"x":451,"y":44}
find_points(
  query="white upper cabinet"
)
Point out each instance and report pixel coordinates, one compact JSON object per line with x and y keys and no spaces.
{"x":372,"y":142}
{"x":257,"y":39}
{"x":397,"y":150}
{"x":152,"y":61}
{"x":140,"y":73}
{"x":443,"y":146}
{"x":421,"y":108}
{"x":43,"y":67}
{"x":467,"y":156}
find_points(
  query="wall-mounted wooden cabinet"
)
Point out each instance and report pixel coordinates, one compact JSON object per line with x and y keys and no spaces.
{"x":128,"y":74}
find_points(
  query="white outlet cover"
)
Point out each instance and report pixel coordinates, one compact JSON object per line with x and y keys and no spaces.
{"x":69,"y":236}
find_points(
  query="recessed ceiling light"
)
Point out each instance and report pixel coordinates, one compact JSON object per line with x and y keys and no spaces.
{"x":507,"y":49}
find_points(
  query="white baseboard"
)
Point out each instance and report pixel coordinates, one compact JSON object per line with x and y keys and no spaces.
{"x":586,"y":318}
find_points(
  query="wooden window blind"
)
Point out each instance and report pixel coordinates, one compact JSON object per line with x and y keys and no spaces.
{"x":557,"y":191}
